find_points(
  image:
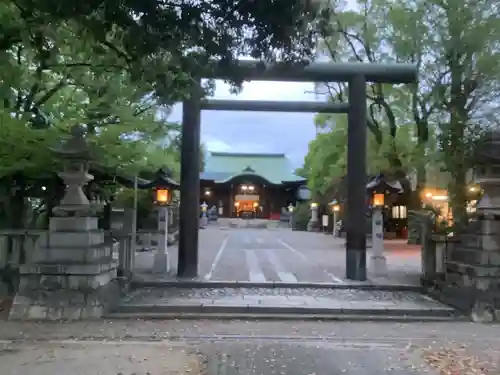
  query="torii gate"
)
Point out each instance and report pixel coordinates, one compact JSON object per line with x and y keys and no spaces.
{"x":357,"y":75}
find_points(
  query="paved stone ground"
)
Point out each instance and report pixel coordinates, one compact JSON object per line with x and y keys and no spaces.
{"x":264,"y":348}
{"x":280,"y":298}
{"x":259,"y":255}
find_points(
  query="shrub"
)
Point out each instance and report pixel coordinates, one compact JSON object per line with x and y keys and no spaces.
{"x":301,"y":216}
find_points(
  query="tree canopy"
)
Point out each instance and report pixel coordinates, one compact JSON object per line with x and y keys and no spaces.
{"x":116,"y":67}
{"x":455,"y":46}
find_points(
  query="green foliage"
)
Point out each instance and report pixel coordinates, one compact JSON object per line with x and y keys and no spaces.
{"x":24,"y":149}
{"x":166,"y":43}
{"x":301,"y":216}
{"x":113,"y":66}
{"x":444,"y":116}
{"x":326,"y":161}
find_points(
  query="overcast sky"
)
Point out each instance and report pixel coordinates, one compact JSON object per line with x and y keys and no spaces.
{"x":287,"y":133}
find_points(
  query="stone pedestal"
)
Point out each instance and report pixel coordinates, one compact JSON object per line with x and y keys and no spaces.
{"x":72,"y":274}
{"x":378,"y":261}
{"x":204,"y":220}
{"x":312,"y":225}
{"x":161,"y":258}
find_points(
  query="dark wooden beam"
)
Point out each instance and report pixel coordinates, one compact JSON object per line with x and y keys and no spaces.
{"x":189,"y":211}
{"x":273,"y":106}
{"x":249,"y":70}
{"x":355,"y":218}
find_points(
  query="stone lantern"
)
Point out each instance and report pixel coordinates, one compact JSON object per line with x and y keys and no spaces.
{"x":204,"y":217}
{"x":76,"y":156}
{"x":312,"y":225}
{"x":71,"y":273}
{"x":487,"y":174}
{"x":290,"y":208}
{"x":378,"y":188}
{"x":335,"y":210}
{"x":473,"y":263}
{"x":163,"y":186}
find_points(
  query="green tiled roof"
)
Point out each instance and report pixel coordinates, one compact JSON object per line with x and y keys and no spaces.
{"x":223,"y":166}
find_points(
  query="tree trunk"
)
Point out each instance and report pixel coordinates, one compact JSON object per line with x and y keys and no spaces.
{"x":458,"y":197}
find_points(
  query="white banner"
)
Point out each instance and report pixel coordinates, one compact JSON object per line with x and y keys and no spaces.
{"x":324,"y":220}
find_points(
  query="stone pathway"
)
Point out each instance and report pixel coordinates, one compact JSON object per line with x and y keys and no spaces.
{"x":278,"y":301}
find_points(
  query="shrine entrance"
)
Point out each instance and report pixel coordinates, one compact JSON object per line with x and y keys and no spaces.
{"x":357,"y":75}
{"x":247,"y":207}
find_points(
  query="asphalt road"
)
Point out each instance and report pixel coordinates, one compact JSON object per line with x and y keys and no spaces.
{"x":280,"y":255}
{"x":258,"y":255}
{"x":283,"y":255}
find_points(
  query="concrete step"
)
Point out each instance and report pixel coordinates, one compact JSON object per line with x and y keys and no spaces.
{"x":281,"y":303}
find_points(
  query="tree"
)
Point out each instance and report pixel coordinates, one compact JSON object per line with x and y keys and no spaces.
{"x":112,"y":65}
{"x":454,"y":44}
{"x":178,"y":37}
{"x":326,"y":161}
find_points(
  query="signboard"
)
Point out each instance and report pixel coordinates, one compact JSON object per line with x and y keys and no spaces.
{"x":324,"y":220}
{"x":246,"y":197}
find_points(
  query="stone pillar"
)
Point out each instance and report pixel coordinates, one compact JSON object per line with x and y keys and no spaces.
{"x":312,"y":225}
{"x":335,"y":219}
{"x":378,"y":261}
{"x":161,"y":259}
{"x":72,"y":274}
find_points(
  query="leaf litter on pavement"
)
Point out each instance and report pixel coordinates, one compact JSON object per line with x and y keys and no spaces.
{"x":458,"y":359}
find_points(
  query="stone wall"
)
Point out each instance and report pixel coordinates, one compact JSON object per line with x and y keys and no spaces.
{"x":472,"y":270}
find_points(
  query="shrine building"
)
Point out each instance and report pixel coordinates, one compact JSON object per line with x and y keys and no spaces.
{"x":249,"y":184}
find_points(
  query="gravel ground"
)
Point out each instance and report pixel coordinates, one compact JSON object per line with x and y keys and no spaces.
{"x":148,"y":294}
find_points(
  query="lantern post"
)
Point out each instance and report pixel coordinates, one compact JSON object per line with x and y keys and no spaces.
{"x":290,"y":214}
{"x":335,"y":210}
{"x":378,"y":261}
{"x":163,"y":186}
{"x":204,"y":217}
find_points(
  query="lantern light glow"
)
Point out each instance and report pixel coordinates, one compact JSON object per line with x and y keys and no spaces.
{"x":336,"y":208}
{"x":204,"y":207}
{"x":378,"y":200}
{"x":163,"y":196}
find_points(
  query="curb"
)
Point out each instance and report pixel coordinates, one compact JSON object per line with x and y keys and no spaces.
{"x":283,"y":310}
{"x":272,"y":312}
{"x":198,"y":284}
{"x":285,"y":317}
